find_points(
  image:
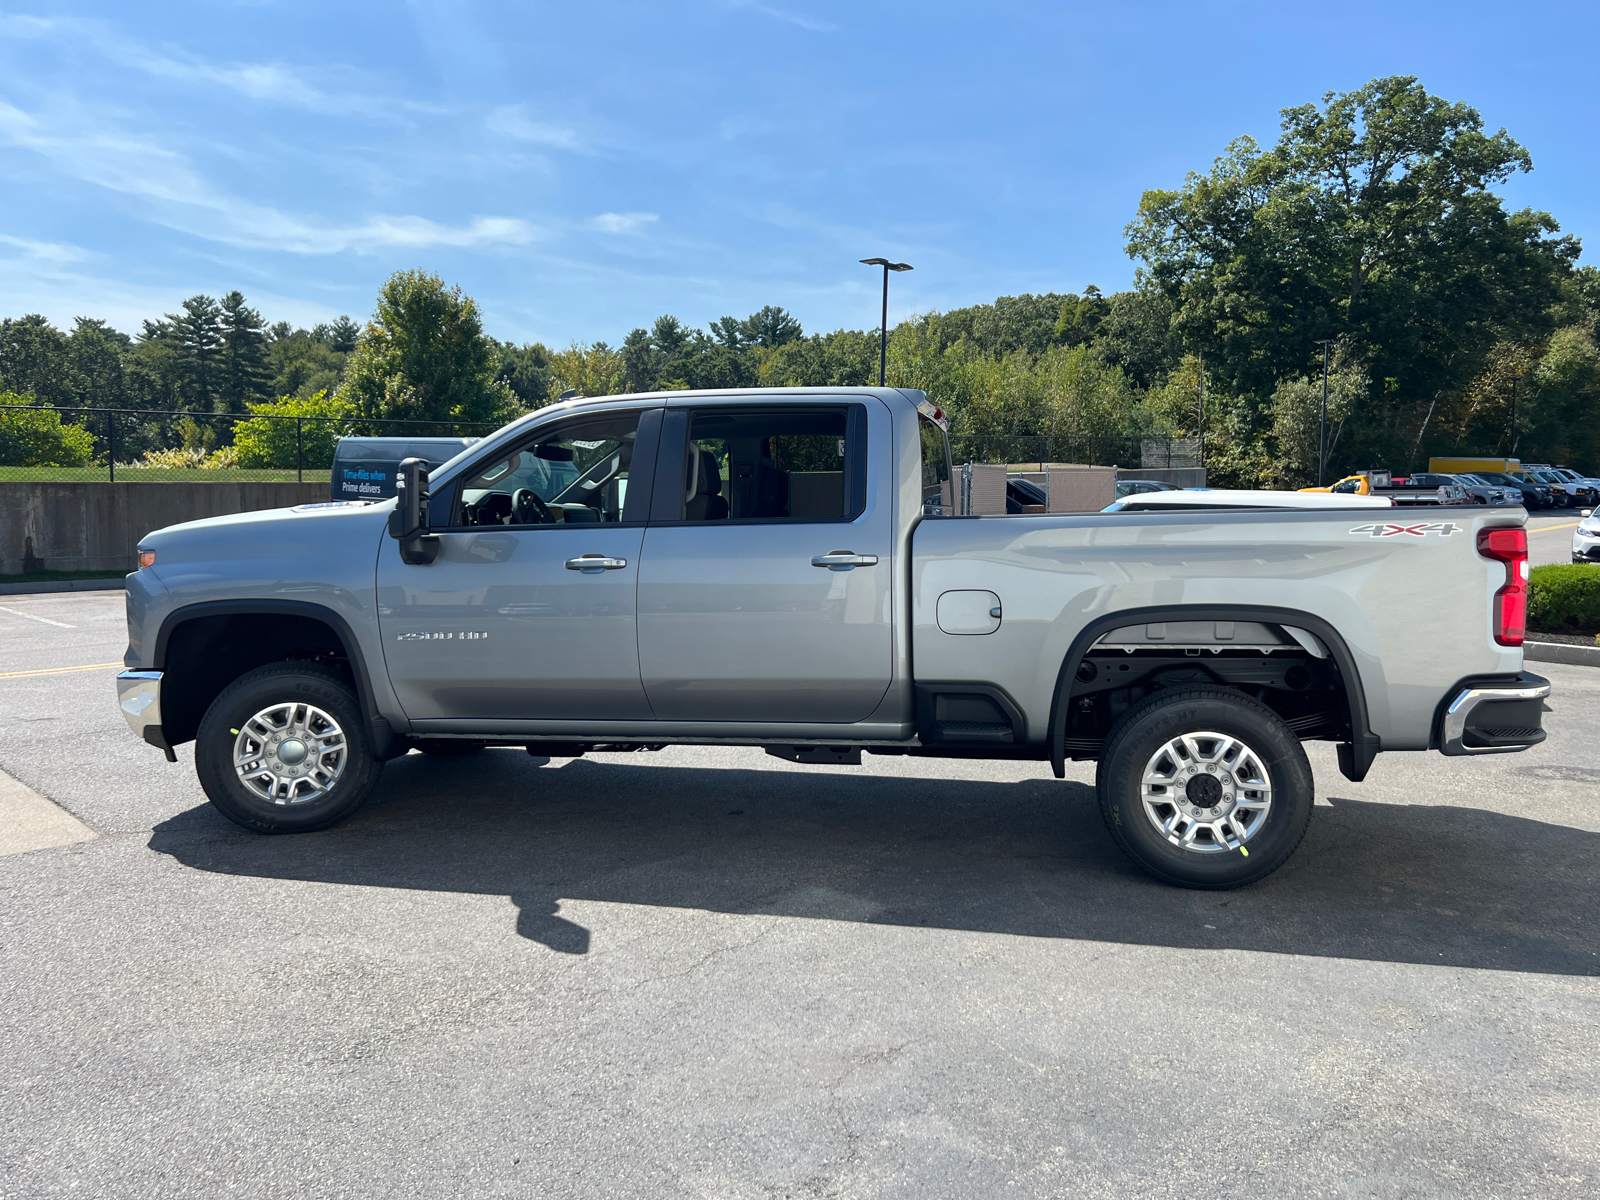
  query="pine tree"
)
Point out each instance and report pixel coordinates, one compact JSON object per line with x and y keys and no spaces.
{"x":243,"y":359}
{"x":196,"y":333}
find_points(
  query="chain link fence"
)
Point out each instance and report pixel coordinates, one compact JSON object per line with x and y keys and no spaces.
{"x":43,"y":444}
{"x":1036,"y":452}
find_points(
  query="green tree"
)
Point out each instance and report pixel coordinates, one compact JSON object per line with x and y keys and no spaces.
{"x":197,"y":335}
{"x":1297,"y":425}
{"x":37,"y":438}
{"x":300,"y":364}
{"x":424,"y":356}
{"x":1372,"y":219}
{"x":588,"y":370}
{"x":263,"y":441}
{"x":526,"y":371}
{"x":33,"y":360}
{"x":242,"y":356}
{"x":844,"y":358}
{"x":96,"y":365}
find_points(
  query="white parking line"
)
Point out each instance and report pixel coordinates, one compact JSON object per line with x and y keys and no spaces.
{"x":31,"y":617}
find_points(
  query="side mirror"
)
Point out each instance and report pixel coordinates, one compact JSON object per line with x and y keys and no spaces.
{"x":1586,"y":512}
{"x":408,"y":523}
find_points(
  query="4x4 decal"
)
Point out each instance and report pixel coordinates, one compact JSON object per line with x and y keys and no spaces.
{"x":1442,"y":528}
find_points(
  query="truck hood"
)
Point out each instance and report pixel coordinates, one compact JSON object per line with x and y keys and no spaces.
{"x":275,"y":534}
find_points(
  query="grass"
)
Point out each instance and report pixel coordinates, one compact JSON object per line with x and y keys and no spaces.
{"x":157,"y":475}
{"x":59,"y":576}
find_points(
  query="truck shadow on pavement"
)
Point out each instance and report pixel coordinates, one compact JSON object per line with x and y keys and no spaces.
{"x":1444,"y":885}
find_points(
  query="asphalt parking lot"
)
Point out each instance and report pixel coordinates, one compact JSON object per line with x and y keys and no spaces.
{"x":711,"y":973}
{"x":1550,"y":537}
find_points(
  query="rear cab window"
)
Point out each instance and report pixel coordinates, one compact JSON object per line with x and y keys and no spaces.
{"x":765,"y":464}
{"x":938,"y":488}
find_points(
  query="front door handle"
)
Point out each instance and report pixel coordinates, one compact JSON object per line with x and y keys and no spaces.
{"x":593,"y":564}
{"x":844,"y":560}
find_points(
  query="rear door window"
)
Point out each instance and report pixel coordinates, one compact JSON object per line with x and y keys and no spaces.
{"x":773,"y":465}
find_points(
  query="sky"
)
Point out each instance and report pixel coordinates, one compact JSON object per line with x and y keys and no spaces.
{"x":580,"y":169}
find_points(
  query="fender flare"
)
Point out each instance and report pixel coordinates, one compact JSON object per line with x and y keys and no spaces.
{"x":383,"y":734}
{"x":1355,"y":756}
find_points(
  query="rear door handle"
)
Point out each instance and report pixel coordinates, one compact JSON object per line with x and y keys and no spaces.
{"x":593,"y":564}
{"x":844,"y":560}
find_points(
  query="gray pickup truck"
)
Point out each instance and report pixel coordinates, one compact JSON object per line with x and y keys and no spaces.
{"x":787,"y":569}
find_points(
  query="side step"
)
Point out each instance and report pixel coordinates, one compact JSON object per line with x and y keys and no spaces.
{"x":844,"y":756}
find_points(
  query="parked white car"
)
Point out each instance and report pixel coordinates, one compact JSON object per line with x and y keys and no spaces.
{"x":1586,"y":538}
{"x":1241,"y":498}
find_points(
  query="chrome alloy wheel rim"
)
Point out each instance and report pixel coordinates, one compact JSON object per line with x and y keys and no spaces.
{"x":290,"y":753}
{"x":1206,"y":792}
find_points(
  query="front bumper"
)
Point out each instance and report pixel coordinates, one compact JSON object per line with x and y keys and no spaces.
{"x":1501,"y":717}
{"x":139,"y":698}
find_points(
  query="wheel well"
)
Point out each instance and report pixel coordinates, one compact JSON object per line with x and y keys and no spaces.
{"x":1294,"y":663}
{"x":204,"y":654}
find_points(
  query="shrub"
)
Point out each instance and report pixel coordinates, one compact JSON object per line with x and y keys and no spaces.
{"x":263,"y":442}
{"x":173,"y":459}
{"x":1565,"y":598}
{"x":37,"y":438}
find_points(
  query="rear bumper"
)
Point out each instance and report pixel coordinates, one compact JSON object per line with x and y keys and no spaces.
{"x":1497,"y":717}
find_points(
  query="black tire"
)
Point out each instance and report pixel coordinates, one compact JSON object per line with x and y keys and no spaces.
{"x":306,"y":686}
{"x":1271,"y":834}
{"x":448,"y":747}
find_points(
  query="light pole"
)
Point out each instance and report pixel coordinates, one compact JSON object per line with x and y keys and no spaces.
{"x":1322,"y":440}
{"x":883,"y":333}
{"x":1515,"y":379}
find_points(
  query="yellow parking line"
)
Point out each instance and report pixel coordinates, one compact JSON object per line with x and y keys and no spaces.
{"x":58,"y":670}
{"x":1551,"y":528}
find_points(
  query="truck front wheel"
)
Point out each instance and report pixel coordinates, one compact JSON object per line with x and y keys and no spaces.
{"x":1205,"y":788}
{"x":283,"y":749}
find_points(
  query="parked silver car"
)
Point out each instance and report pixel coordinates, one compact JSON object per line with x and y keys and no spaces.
{"x":1481,"y":492}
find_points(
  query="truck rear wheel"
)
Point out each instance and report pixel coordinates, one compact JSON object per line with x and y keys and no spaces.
{"x":284,"y":749}
{"x":1205,"y":788}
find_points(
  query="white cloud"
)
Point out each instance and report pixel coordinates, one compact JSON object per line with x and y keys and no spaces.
{"x":629,"y":222}
{"x":512,"y":121}
{"x":59,"y":252}
{"x":783,"y":14}
{"x":273,"y":83}
{"x":95,"y":152}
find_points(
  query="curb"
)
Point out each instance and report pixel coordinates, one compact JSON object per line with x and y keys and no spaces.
{"x":1561,"y":652}
{"x":116,"y":583}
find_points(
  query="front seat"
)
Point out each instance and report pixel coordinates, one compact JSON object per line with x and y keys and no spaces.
{"x":707,"y":503}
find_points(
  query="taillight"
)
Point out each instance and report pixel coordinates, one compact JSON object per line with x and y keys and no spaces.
{"x":1509,"y":546}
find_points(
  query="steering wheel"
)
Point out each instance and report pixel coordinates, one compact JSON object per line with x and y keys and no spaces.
{"x":528,"y":509}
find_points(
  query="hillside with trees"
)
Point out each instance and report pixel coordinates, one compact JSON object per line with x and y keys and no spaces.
{"x":1455,"y":325}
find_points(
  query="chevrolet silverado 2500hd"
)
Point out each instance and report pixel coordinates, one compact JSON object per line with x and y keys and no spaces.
{"x":787,"y":569}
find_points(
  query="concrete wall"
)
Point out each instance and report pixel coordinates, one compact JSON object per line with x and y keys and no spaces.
{"x":97,"y":526}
